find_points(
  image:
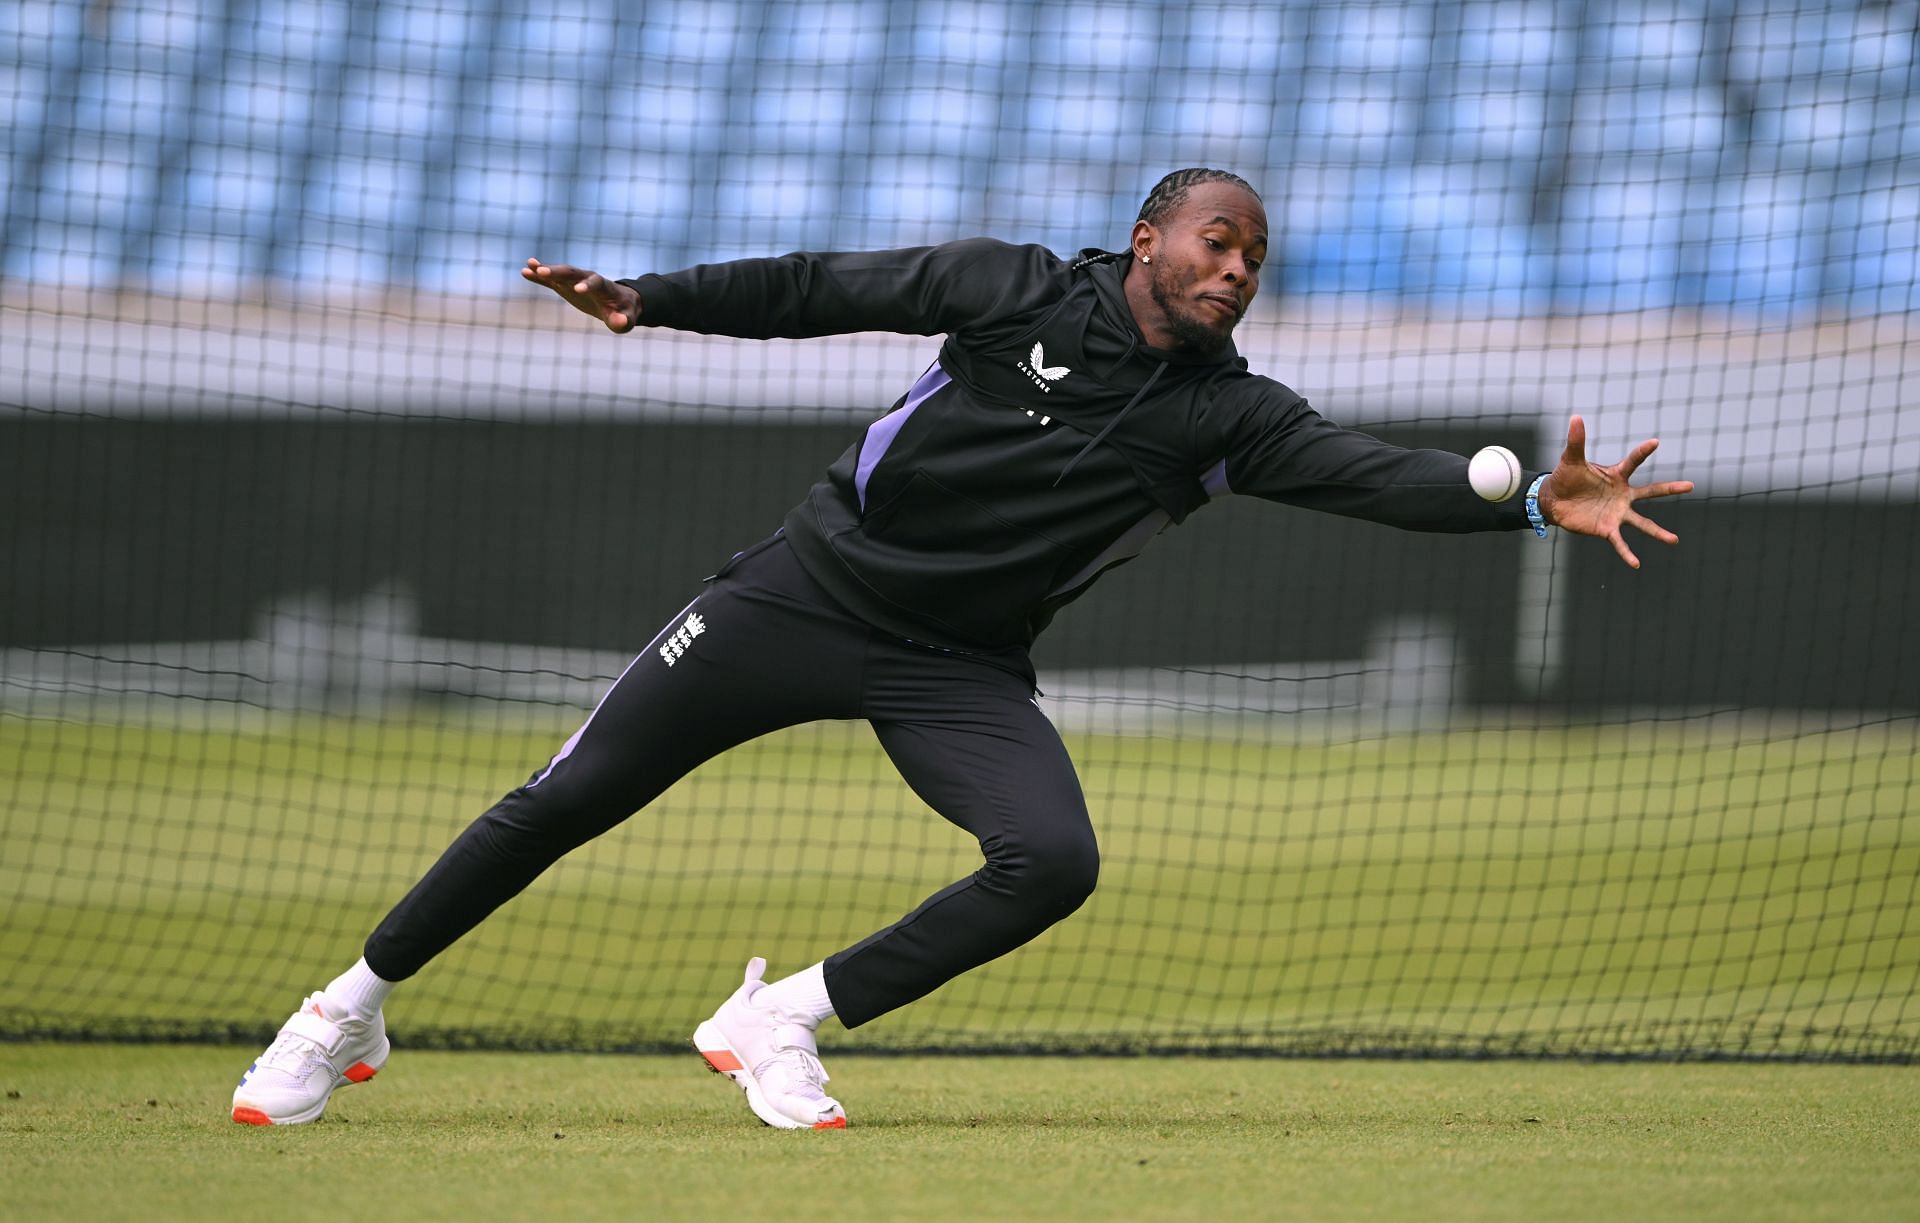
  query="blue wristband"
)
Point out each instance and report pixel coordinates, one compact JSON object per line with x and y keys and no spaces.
{"x":1533,"y":505}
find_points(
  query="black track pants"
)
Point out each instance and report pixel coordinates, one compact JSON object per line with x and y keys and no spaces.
{"x":762,"y":648}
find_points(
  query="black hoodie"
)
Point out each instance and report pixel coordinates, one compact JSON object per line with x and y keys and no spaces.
{"x":1047,"y":443}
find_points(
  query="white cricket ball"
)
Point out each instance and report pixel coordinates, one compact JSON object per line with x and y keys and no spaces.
{"x":1494,"y":473}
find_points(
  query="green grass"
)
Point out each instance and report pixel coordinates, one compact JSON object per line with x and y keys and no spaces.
{"x":1649,"y":887}
{"x":140,"y":1132}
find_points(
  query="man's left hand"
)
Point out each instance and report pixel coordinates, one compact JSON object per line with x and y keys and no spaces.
{"x":1592,"y":500}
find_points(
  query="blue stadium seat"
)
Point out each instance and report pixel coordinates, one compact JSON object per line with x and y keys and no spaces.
{"x":96,"y":181}
{"x":1364,"y":74}
{"x":1651,"y":44}
{"x":227,"y":190}
{"x":1063,"y":205}
{"x":1649,"y":122}
{"x":1080,"y":114}
{"x":394,"y":114}
{"x":822,"y":33}
{"x":1879,"y":51}
{"x":1821,"y":122}
{"x":953,"y":111}
{"x":1617,"y":246}
{"x":643,"y":213}
{"x":663,"y":115}
{"x":202,"y":262}
{"x":1372,"y":124}
{"x":1386,"y":35}
{"x":39,"y":33}
{"x":691,"y":37}
{"x":558,"y":34}
{"x":905,"y":201}
{"x":1468,"y":242}
{"x":1226,"y":117}
{"x":1773,"y":42}
{"x":164,"y":31}
{"x":776,"y":202}
{"x":966,"y":32}
{"x":1874,"y":247}
{"x":23,"y":106}
{"x":467,"y":262}
{"x":296,"y":33}
{"x":1037,"y":119}
{"x":142,"y":105}
{"x":1476,"y":125}
{"x":497,"y":190}
{"x":260,"y":105}
{"x":1760,"y":243}
{"x":786,"y":110}
{"x":426,"y":36}
{"x":1261,"y":41}
{"x":55,"y":253}
{"x":378,"y":192}
{"x":1340,"y":228}
{"x":1094,"y":35}
{"x":1524,"y":42}
{"x":532,"y":110}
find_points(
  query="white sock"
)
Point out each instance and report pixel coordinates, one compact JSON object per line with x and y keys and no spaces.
{"x":359,"y":990}
{"x":801,"y":997}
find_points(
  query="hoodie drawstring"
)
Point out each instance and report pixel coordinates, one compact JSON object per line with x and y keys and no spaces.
{"x":1109,"y":426}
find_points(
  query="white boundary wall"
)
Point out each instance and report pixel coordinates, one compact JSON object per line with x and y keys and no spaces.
{"x":1829,"y":411}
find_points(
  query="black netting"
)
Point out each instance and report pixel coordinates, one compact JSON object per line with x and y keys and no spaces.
{"x":320,"y":529}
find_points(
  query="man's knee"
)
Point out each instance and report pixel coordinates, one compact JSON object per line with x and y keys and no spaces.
{"x":1055,"y":873}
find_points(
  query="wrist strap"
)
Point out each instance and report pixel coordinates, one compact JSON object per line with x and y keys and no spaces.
{"x":1533,"y":505}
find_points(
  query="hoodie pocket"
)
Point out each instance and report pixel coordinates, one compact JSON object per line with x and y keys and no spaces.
{"x":945,"y":558}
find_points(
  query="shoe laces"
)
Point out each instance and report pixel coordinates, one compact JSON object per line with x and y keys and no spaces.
{"x":801,"y":1073}
{"x":291,"y":1055}
{"x":296,"y":1056}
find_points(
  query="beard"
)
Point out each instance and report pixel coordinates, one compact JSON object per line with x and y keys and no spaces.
{"x":1182,"y":319}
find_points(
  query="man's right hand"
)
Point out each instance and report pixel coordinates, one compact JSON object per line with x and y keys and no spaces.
{"x":613,"y":303}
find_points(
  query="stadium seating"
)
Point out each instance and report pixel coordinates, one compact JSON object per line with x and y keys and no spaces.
{"x":1650,"y":157}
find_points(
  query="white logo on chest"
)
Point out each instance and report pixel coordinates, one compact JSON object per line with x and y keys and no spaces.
{"x":1039,"y":372}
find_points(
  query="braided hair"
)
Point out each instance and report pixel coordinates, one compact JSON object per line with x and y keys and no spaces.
{"x":1171,"y":192}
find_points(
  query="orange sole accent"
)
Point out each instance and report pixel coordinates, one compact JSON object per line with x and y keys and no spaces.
{"x":838,"y":1123}
{"x":722,"y":1061}
{"x":360,"y":1072}
{"x":251,"y":1116}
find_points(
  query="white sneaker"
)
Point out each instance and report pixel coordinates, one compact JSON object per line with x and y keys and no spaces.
{"x":773,"y":1059}
{"x":319,"y":1048}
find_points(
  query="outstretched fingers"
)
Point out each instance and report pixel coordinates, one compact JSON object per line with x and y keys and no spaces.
{"x":1599,"y":501}
{"x":604,"y":297}
{"x":1649,"y":527}
{"x":1576,"y":452}
{"x":1620,"y":545}
{"x":1632,"y":462}
{"x":1669,"y":488}
{"x":586,"y":291}
{"x":556,"y":276}
{"x":598,"y":287}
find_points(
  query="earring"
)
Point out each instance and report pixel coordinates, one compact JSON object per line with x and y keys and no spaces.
{"x":1146,"y":258}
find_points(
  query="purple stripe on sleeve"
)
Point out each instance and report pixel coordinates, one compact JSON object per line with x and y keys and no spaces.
{"x":880,"y":433}
{"x":1214,"y":483}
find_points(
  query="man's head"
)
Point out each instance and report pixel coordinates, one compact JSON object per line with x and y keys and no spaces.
{"x":1200,"y":241}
